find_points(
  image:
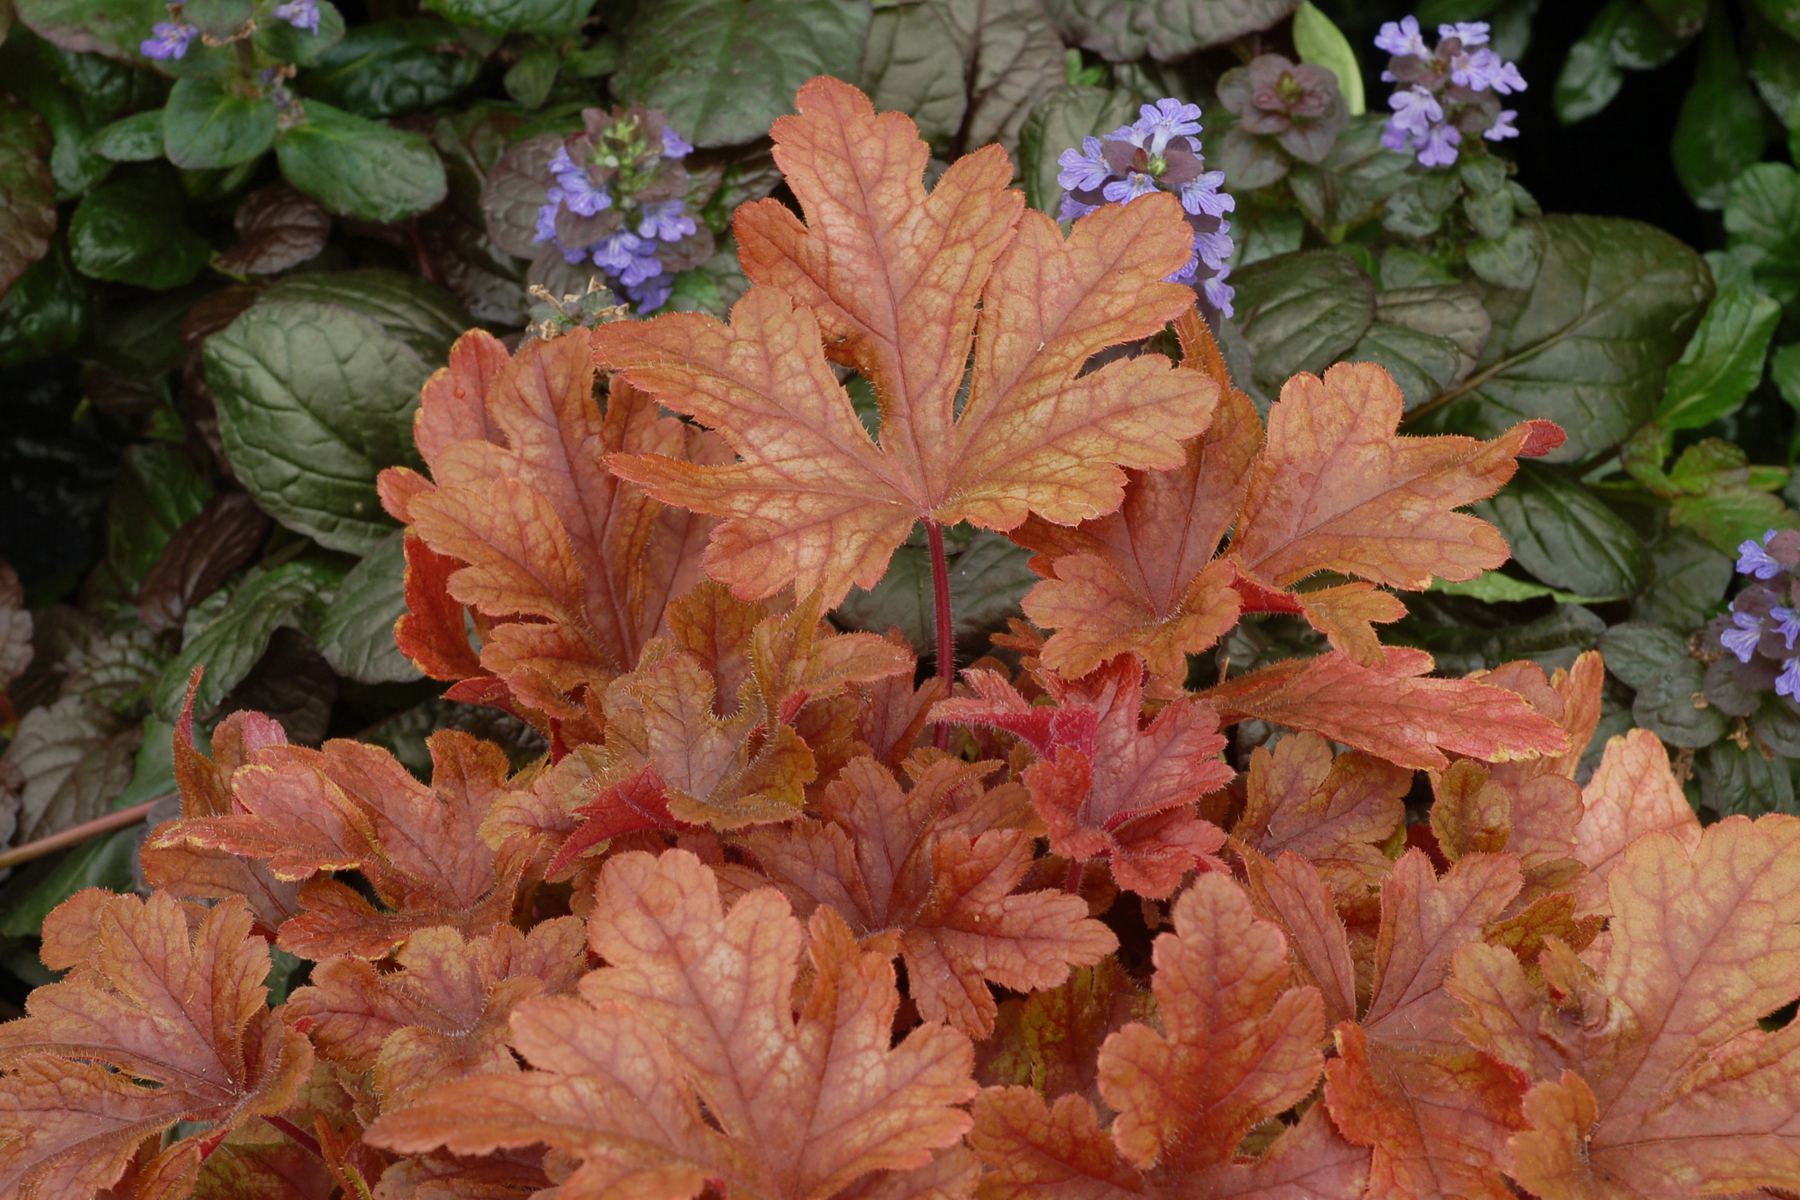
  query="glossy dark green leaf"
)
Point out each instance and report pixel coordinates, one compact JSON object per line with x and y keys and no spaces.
{"x":1687,"y":579}
{"x":722,"y":70}
{"x":1722,"y":361}
{"x":1683,"y":18}
{"x":103,"y":862}
{"x":45,"y":310}
{"x":1777,"y":725}
{"x":27,"y":190}
{"x":137,"y":138}
{"x":548,"y":17}
{"x":1623,"y":36}
{"x":360,"y":168}
{"x":1775,"y":70}
{"x":1422,"y":364}
{"x":1510,"y":260}
{"x":989,"y":575}
{"x":302,"y":47}
{"x":1355,"y":178}
{"x":1122,"y":30}
{"x":132,"y":231}
{"x":1720,"y":129}
{"x":1636,"y":650}
{"x":1762,"y":224}
{"x":356,"y":633}
{"x":1738,"y":781}
{"x":1727,"y":517}
{"x":1302,"y":312}
{"x":420,"y":314}
{"x":388,"y":68}
{"x":1058,"y":123}
{"x":209,"y":126}
{"x":111,"y":27}
{"x":1561,"y":533}
{"x":530,"y":79}
{"x":1588,"y":344}
{"x":1665,"y":705}
{"x":28,"y":68}
{"x":159,"y":489}
{"x":1782,"y":13}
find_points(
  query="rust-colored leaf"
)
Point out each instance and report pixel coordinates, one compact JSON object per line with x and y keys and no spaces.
{"x":694,"y":1009}
{"x":181,"y":1009}
{"x":1105,"y":786}
{"x":1291,"y":891}
{"x":351,"y":806}
{"x":926,"y":866}
{"x":1392,"y":712}
{"x":1335,"y":812}
{"x":891,"y":280}
{"x":1632,"y":793}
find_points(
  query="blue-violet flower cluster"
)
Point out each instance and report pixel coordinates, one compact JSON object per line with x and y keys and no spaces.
{"x":1158,"y":152}
{"x":1446,"y":92}
{"x":1763,"y":626}
{"x":617,"y":199}
{"x":169,"y":39}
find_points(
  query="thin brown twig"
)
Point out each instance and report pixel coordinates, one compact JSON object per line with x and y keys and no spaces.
{"x":78,"y":833}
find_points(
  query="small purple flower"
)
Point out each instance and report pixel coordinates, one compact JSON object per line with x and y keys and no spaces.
{"x":580,"y":194}
{"x":1215,"y":248}
{"x":1787,"y":624}
{"x":1084,"y":169}
{"x":1073,"y":209}
{"x":546,"y":218}
{"x":1475,"y":69}
{"x":1508,"y":80}
{"x":1402,"y":38}
{"x":301,"y":14}
{"x":666,"y":220}
{"x":1201,"y":195}
{"x":1439,"y":148}
{"x":1167,"y":118}
{"x":1124,"y":191}
{"x":674,"y":146}
{"x":1742,"y":640}
{"x":1788,"y":682}
{"x":651,"y":294}
{"x":1503,"y":126}
{"x":169,"y":39}
{"x":1219,"y":293}
{"x":1754,"y":560}
{"x":1415,"y":111}
{"x":1469,"y":33}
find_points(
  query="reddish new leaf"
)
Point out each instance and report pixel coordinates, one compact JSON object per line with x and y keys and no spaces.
{"x":353,"y":806}
{"x":694,"y":1009}
{"x":1653,"y":1076}
{"x":1105,"y":786}
{"x":1392,"y":711}
{"x":897,"y":282}
{"x":927,"y":866}
{"x":181,"y":1009}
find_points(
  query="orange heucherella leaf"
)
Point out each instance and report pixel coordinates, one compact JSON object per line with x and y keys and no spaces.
{"x":1050,"y":1040}
{"x":695,"y":1009}
{"x":570,"y":567}
{"x":353,"y":806}
{"x":1469,"y":812}
{"x":1653,"y":1077}
{"x":444,"y":1013}
{"x":1544,"y":803}
{"x":1391,"y":711}
{"x":1632,"y":793}
{"x":910,"y":864}
{"x":1336,"y":490}
{"x":1335,"y":812}
{"x":1105,"y":786}
{"x":1292,"y":892}
{"x":180,"y":1008}
{"x":892,"y":280}
{"x":502,"y":1175}
{"x":205,"y":783}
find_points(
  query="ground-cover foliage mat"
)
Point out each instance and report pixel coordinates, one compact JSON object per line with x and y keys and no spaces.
{"x":780,"y":910}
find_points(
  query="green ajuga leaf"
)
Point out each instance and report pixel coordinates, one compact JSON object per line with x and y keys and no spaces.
{"x":114,"y":28}
{"x":1589,"y":343}
{"x":989,"y":575}
{"x":547,"y":17}
{"x":1722,"y":361}
{"x":1737,"y":780}
{"x":1058,"y":123}
{"x":360,"y":168}
{"x":1687,"y":580}
{"x":46,"y":308}
{"x":207,"y":125}
{"x":1624,"y":35}
{"x":387,"y":68}
{"x":27,"y":190}
{"x":302,"y":47}
{"x":235,"y":638}
{"x":530,"y":79}
{"x":1762,"y":226}
{"x":1493,"y":587}
{"x":1302,"y":312}
{"x":1354,"y":180}
{"x":102,"y":862}
{"x":137,"y":138}
{"x":1728,"y":517}
{"x":722,"y":70}
{"x":1123,"y":30}
{"x":1720,"y":129}
{"x":356,"y":634}
{"x":1671,"y":705}
{"x":1565,"y":536}
{"x":1636,"y":650}
{"x":132,"y":231}
{"x":159,"y":489}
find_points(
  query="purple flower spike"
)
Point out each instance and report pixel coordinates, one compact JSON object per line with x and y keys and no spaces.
{"x":1754,"y":560}
{"x":652,"y":294}
{"x":675,"y":147}
{"x":1415,"y":111}
{"x":580,"y":193}
{"x":1742,"y":640}
{"x":301,"y":14}
{"x":1440,"y":146}
{"x":1166,"y":119}
{"x":1788,"y":682}
{"x":1787,"y":624}
{"x":1124,"y":191}
{"x":666,"y":220}
{"x":169,"y":39}
{"x":1402,"y":38}
{"x":1202,"y":195}
{"x":1084,"y":169}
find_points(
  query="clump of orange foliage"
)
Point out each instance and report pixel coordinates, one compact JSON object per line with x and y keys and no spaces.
{"x":660,"y":961}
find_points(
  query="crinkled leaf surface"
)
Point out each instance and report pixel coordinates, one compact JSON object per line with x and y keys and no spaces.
{"x":1121,"y":30}
{"x":1630,"y":794}
{"x":890,"y":279}
{"x":27,"y":193}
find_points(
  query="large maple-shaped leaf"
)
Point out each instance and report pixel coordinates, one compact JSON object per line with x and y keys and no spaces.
{"x":444,"y":1013}
{"x":898,"y":282}
{"x":352,"y":806}
{"x":181,"y":1009}
{"x":1393,"y":711}
{"x":928,"y":867}
{"x":570,"y":568}
{"x":695,"y":1009}
{"x":1237,"y":1045}
{"x":1105,"y":786}
{"x":1653,"y":1078}
{"x":1633,"y":792}
{"x":240,"y":740}
{"x":1332,"y":488}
